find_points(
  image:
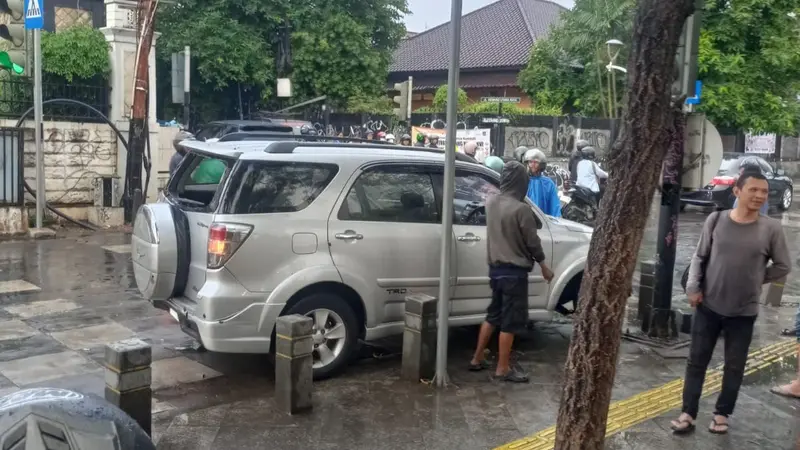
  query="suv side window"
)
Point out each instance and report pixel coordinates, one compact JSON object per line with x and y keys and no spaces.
{"x":391,"y":194}
{"x":259,"y":187}
{"x":471,"y":192}
{"x":208,"y":132}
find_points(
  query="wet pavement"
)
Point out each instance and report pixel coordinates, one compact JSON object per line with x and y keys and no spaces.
{"x":62,"y":300}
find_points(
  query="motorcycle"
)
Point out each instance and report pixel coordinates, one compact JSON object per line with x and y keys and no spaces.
{"x":582,"y":207}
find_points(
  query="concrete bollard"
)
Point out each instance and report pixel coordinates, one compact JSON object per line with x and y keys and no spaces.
{"x":128,"y":376}
{"x":293,"y":363}
{"x":775,"y":293}
{"x":419,"y":338}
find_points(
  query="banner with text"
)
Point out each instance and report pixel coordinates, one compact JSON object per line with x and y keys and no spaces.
{"x":481,"y":136}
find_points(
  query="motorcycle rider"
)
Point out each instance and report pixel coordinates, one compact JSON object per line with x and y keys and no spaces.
{"x":390,"y":138}
{"x":519,"y":154}
{"x":575,"y":158}
{"x":495,"y":163}
{"x":180,"y":151}
{"x":420,"y":140}
{"x":433,"y":141}
{"x":405,"y":140}
{"x":470,"y":148}
{"x":541,"y":189}
{"x":589,"y":173}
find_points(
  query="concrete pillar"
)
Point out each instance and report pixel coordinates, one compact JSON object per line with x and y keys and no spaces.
{"x":293,"y":363}
{"x":128,"y":376}
{"x":775,"y":293}
{"x":120,"y":33}
{"x":419,"y":338}
{"x":647,"y":273}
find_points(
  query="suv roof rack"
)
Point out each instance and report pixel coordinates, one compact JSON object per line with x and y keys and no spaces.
{"x":279,"y":134}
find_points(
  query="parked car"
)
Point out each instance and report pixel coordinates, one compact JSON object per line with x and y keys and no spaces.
{"x":341,"y":233}
{"x":216,"y":130}
{"x":718,"y":193}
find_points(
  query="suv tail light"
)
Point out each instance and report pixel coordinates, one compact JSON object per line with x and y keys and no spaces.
{"x":723,"y":181}
{"x":223,"y":241}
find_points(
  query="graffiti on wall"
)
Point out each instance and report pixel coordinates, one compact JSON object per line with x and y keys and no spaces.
{"x":558,"y":142}
{"x":530,"y":137}
{"x":74,"y":157}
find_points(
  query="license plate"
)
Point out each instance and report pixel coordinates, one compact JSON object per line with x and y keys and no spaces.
{"x":174,"y":315}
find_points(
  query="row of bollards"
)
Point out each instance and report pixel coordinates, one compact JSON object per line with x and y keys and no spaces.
{"x":128,"y":371}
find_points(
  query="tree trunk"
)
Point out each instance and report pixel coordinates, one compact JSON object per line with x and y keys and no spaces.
{"x":137,"y":134}
{"x":635,"y":163}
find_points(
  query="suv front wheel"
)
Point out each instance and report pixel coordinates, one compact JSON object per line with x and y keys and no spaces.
{"x":334,"y":333}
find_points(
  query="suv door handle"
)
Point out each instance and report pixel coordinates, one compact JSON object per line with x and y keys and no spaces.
{"x":468,"y":238}
{"x":347,"y":235}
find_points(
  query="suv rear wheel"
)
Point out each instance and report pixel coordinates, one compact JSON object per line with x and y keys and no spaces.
{"x":335,"y":332}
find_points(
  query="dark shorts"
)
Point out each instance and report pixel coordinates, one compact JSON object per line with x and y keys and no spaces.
{"x":509,"y":307}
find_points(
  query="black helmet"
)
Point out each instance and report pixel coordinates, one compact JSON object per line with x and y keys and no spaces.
{"x":589,"y":152}
{"x":581,"y":144}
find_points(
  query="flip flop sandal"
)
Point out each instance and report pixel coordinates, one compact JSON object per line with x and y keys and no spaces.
{"x":782,"y":393}
{"x":683,"y":430}
{"x":513,"y":376}
{"x":714,"y":424}
{"x":483,"y":365}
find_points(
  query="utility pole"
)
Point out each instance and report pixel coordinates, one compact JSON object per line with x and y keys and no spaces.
{"x":137,"y":137}
{"x":187,"y":78}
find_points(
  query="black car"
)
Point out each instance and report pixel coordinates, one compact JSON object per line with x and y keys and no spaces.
{"x":220,"y":128}
{"x":719,"y":192}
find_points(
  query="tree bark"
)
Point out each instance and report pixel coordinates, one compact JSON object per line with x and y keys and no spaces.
{"x":635,"y":164}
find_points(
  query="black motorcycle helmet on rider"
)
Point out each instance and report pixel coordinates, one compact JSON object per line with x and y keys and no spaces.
{"x":589,"y":153}
{"x":581,"y":144}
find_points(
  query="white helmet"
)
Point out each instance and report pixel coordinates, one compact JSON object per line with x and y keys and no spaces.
{"x":390,"y":138}
{"x":534,"y":154}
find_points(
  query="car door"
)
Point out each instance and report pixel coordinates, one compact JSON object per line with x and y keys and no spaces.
{"x":775,"y":184}
{"x":472,"y":292}
{"x":386,"y":234}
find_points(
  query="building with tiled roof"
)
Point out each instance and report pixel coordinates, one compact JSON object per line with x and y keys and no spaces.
{"x":495,"y":46}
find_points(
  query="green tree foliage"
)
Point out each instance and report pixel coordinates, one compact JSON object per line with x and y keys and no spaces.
{"x":440,"y":99}
{"x":750,"y":64}
{"x":79,"y":52}
{"x":340,"y":48}
{"x":748,"y":61}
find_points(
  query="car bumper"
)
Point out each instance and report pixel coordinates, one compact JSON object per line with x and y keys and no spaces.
{"x":706,"y":198}
{"x":235,"y":334}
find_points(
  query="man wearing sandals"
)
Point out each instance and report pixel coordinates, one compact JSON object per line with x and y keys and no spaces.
{"x":792,"y":390}
{"x":513,"y":248}
{"x":727,"y":272}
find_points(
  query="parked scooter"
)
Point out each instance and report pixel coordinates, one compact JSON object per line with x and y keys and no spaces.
{"x":582,"y":207}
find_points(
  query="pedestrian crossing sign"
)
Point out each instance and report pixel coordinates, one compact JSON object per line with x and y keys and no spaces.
{"x":34,"y":17}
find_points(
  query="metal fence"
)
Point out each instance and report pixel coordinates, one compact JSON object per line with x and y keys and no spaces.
{"x":16,"y":97}
{"x":11,"y":166}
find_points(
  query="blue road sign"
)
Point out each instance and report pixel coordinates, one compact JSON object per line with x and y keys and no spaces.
{"x":34,"y":14}
{"x":698,"y":89}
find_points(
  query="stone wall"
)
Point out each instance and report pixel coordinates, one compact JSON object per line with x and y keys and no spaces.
{"x":75,"y":154}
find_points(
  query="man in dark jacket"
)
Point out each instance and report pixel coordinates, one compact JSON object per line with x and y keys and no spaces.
{"x":575,"y":158}
{"x":513,"y":248}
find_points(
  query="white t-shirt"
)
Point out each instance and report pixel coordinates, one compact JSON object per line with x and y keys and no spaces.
{"x":588,"y":173}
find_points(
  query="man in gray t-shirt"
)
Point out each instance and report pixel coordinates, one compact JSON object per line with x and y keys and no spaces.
{"x":725,"y":280}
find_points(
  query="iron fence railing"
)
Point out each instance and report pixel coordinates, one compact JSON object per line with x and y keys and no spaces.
{"x":11,"y":166}
{"x":16,"y":97}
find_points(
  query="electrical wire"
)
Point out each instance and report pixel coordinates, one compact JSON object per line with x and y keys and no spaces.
{"x":107,"y":121}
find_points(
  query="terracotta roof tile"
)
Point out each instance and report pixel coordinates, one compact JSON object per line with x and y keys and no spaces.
{"x":497,"y":35}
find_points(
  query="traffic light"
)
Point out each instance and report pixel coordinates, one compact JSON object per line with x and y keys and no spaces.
{"x":13,"y":59}
{"x":686,"y":56}
{"x":403,"y":101}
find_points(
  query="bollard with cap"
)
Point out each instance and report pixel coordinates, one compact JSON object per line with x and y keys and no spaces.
{"x":293,"y":363}
{"x":775,"y":293}
{"x":419,"y":338}
{"x":128,"y":376}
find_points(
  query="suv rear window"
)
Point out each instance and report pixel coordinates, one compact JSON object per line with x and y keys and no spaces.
{"x":259,"y":187}
{"x":198,"y":179}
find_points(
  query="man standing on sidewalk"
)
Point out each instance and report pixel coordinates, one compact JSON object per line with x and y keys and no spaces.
{"x":513,"y":248}
{"x":727,"y":272}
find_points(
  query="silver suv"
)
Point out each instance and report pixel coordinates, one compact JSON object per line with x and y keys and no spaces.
{"x":251,"y":230}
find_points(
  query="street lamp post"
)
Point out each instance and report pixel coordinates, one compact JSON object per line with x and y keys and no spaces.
{"x":613,"y":46}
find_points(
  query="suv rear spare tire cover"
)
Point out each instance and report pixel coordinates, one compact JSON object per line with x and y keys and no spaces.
{"x":154,"y":250}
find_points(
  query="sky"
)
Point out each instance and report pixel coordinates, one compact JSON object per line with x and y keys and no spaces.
{"x":426,"y":14}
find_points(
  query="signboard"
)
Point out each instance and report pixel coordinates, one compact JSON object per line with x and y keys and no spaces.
{"x":34,"y":20}
{"x":501,"y":99}
{"x":495,"y":120}
{"x":481,"y":136}
{"x":759,"y":143}
{"x":702,"y":154}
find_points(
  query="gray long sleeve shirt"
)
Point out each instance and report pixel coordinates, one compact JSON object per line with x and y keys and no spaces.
{"x":736,"y":263}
